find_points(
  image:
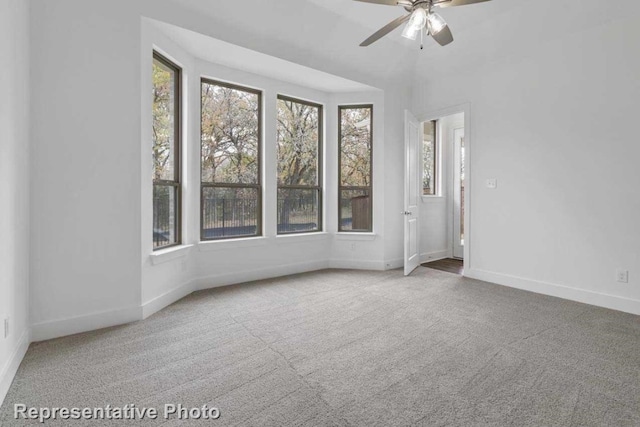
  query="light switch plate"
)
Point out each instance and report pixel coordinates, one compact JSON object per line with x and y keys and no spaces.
{"x":492,"y":184}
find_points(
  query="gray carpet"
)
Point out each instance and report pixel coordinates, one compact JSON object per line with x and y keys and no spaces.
{"x":353,"y":348}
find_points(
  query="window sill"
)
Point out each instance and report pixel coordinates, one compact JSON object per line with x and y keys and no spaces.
{"x":221,"y":245}
{"x":302,"y":237}
{"x":169,"y":254}
{"x":363,"y":237}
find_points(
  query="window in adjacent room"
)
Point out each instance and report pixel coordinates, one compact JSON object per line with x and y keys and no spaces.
{"x":429,"y":159}
{"x":231,"y":189}
{"x":299,"y":166}
{"x":166,"y":153}
{"x":355,"y":207}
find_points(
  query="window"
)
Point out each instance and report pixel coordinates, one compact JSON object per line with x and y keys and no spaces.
{"x":355,"y":169}
{"x":231,"y":190}
{"x":429,"y":159}
{"x":299,"y":166}
{"x":166,"y":153}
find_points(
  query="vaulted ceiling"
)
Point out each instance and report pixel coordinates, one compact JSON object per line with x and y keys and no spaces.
{"x":325,"y":34}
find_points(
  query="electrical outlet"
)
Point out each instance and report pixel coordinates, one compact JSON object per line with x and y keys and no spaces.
{"x":622,"y":276}
{"x":492,"y":184}
{"x":6,"y":327}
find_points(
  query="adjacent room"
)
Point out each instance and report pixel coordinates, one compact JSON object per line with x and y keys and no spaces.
{"x":319,"y":213}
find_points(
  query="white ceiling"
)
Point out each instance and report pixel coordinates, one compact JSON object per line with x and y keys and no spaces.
{"x":233,"y":56}
{"x":307,"y":33}
{"x":325,"y":34}
{"x":373,"y":16}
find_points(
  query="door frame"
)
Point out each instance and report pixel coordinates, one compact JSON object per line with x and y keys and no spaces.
{"x":456,"y":194}
{"x":468,"y":152}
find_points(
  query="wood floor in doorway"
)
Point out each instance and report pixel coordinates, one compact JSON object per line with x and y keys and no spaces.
{"x":449,"y":265}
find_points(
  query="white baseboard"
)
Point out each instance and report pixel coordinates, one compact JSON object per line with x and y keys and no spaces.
{"x":90,"y":322}
{"x":166,"y":299}
{"x":353,"y":264}
{"x":258,"y":274}
{"x":9,"y":370}
{"x":75,"y":325}
{"x":394,"y":264}
{"x":580,"y":295}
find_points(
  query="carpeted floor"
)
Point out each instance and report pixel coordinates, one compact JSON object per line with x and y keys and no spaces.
{"x":353,"y":348}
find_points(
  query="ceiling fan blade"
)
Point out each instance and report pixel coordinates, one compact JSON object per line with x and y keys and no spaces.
{"x":389,"y":2}
{"x":453,"y":3}
{"x":444,"y":37}
{"x":385,"y":30}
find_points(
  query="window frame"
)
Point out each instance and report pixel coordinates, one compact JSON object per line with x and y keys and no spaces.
{"x":436,"y":153}
{"x":258,"y":186}
{"x":176,"y":183}
{"x":319,"y":186}
{"x":342,"y":188}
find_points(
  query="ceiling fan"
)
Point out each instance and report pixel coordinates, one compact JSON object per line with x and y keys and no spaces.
{"x":420,"y":20}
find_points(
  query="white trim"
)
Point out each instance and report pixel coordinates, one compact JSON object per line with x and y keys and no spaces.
{"x":394,"y":264}
{"x":9,"y":370}
{"x":354,"y":264}
{"x":613,"y":302}
{"x":158,"y":303}
{"x":434,"y":256}
{"x":302,"y":237}
{"x":363,"y":237}
{"x":223,"y":245}
{"x":235,"y":278}
{"x":78,"y":324}
{"x":169,"y":254}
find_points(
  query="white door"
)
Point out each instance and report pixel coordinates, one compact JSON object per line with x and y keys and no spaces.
{"x":458,"y":193}
{"x":413,"y":138}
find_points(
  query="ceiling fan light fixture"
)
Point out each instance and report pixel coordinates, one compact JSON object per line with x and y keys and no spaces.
{"x":436,"y":23}
{"x":416,"y":23}
{"x":410,"y":32}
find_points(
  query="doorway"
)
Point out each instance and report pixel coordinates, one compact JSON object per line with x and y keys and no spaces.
{"x":444,"y":209}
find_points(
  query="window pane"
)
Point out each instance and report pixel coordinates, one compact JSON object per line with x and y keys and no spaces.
{"x":429,"y":159}
{"x":355,"y":147}
{"x":230,"y":135}
{"x":298,"y":143}
{"x":164,"y":121}
{"x":297,"y":210}
{"x":229,"y":212}
{"x":165,"y":203}
{"x":355,"y":210}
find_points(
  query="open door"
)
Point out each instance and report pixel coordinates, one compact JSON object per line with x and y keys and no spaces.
{"x":413,"y":138}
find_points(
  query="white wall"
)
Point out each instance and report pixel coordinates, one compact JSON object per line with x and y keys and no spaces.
{"x":85,"y":165}
{"x":553,"y":123}
{"x":14,"y":186}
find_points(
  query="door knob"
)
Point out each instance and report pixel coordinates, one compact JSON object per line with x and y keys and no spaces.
{"x":407,"y":213}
